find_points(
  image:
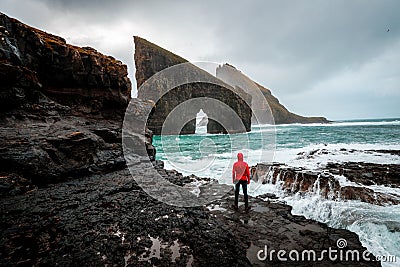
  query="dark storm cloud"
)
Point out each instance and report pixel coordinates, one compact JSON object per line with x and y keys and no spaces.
{"x":316,"y":38}
{"x":305,"y":51}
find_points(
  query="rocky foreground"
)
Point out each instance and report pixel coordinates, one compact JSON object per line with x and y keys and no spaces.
{"x":67,"y":197}
{"x":109,"y":220}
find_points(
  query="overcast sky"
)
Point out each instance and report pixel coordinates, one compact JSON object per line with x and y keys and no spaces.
{"x":338,"y":59}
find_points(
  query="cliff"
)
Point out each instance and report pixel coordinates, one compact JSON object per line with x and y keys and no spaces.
{"x":151,"y":58}
{"x":188,"y":83}
{"x":69,"y":74}
{"x":62,"y":108}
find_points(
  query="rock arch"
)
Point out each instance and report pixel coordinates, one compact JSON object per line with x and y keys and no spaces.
{"x":151,"y":59}
{"x":208,"y":95}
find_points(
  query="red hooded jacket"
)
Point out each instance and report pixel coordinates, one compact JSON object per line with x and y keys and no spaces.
{"x":240,"y":170}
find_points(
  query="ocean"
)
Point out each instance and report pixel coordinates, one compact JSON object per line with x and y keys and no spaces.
{"x":212,"y":155}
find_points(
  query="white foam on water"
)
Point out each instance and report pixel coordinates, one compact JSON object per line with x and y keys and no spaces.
{"x":393,"y":191}
{"x":379,"y":238}
{"x":377,"y":226}
{"x":318,"y":155}
{"x":336,"y":124}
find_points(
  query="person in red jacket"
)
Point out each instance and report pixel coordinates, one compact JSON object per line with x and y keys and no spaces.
{"x":241,"y":176}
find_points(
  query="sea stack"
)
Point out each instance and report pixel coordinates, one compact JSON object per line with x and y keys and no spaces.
{"x":150,"y":59}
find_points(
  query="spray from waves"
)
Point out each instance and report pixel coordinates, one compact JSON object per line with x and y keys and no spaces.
{"x":312,"y":157}
{"x":312,"y":146}
{"x":378,"y":227}
{"x":315,"y":156}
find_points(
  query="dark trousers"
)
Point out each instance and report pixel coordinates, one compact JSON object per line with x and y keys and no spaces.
{"x":237,"y":188}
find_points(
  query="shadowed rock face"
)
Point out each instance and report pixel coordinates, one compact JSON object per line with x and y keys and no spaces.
{"x":79,"y":77}
{"x":150,"y":59}
{"x":205,"y":91}
{"x":62,"y":108}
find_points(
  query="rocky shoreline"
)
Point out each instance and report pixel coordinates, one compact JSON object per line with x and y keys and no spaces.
{"x":106,"y":219}
{"x":336,"y":181}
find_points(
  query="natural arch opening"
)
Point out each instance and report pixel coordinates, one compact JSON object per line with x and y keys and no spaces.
{"x":201,"y":122}
{"x":208,"y":93}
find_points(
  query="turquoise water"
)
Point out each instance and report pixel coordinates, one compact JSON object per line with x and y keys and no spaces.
{"x":363,"y":132}
{"x":378,"y":131}
{"x":190,"y":153}
{"x":212,"y":155}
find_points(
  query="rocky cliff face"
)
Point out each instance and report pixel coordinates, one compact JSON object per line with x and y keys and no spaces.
{"x":62,"y":108}
{"x":150,"y":59}
{"x":79,"y":77}
{"x":280,"y":114}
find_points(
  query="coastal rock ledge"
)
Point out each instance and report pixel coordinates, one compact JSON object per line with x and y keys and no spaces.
{"x":68,"y":199}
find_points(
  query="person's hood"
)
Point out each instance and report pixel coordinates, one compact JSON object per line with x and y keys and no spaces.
{"x":240,"y":156}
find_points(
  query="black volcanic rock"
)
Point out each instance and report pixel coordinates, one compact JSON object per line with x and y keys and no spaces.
{"x":368,"y":173}
{"x":150,"y":59}
{"x":62,"y":108}
{"x":322,"y":182}
{"x":79,"y":77}
{"x":110,"y":220}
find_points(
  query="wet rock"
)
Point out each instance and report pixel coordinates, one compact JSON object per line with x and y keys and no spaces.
{"x":386,"y":151}
{"x":367,"y":195}
{"x":299,"y":180}
{"x":62,"y":107}
{"x":272,"y":224}
{"x":14,"y":184}
{"x":268,"y":196}
{"x":109,"y":219}
{"x":368,"y":173}
{"x":109,"y":135}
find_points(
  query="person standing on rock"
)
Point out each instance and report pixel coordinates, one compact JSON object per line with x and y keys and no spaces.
{"x":241,"y":176}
